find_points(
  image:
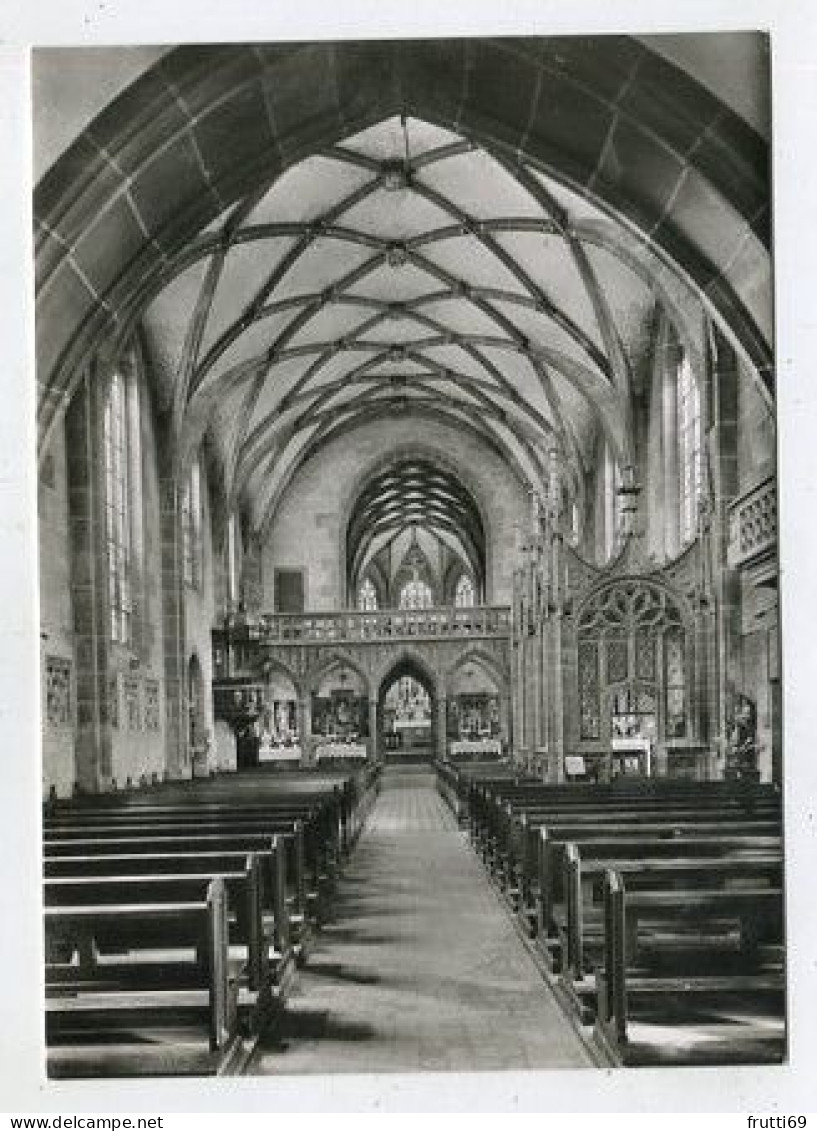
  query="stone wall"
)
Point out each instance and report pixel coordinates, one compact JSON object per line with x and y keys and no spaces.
{"x":757,"y":441}
{"x":57,"y":659}
{"x":200,"y":614}
{"x":759,"y":625}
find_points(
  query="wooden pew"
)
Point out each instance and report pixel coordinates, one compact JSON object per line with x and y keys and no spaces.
{"x":244,"y":885}
{"x":305,"y":851}
{"x":94,"y":1029}
{"x":498,"y":808}
{"x":125,"y":856}
{"x":340,"y":798}
{"x":704,"y":1018}
{"x":122,"y":873}
{"x":697,"y":855}
{"x":580,"y":923}
{"x":654,"y":841}
{"x":511,"y":849}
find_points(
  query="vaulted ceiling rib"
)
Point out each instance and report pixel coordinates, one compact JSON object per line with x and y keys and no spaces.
{"x":415,"y":495}
{"x":405,"y":271}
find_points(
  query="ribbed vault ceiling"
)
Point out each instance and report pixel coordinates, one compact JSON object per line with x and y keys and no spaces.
{"x":403,"y":271}
{"x":414,"y":494}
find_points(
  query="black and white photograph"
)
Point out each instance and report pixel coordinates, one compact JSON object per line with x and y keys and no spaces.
{"x":408,"y":576}
{"x":408,"y":568}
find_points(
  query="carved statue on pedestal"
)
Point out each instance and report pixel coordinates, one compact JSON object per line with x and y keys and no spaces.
{"x":741,"y":757}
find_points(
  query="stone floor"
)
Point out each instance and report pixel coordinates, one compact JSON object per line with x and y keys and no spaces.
{"x":421,"y":968}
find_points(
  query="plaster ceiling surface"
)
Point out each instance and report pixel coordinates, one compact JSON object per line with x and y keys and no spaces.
{"x":406,"y":270}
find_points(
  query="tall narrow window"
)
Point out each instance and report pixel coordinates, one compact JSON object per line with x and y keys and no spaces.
{"x":117,"y":510}
{"x":232,"y":560}
{"x":191,"y":528}
{"x":612,"y":503}
{"x":367,"y":596}
{"x":574,"y":523}
{"x":689,"y":449}
{"x":464,"y":596}
{"x":416,"y":594}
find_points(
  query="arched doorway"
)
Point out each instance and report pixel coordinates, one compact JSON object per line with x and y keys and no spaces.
{"x":407,"y":714}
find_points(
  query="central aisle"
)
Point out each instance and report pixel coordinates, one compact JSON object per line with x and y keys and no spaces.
{"x":420,"y":968}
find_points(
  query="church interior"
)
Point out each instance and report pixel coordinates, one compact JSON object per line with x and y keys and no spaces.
{"x":409,"y":626}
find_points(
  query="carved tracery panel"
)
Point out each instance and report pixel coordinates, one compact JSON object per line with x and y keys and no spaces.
{"x":633,"y":648}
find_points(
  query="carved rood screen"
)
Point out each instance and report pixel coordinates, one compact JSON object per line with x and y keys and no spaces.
{"x":632,"y":649}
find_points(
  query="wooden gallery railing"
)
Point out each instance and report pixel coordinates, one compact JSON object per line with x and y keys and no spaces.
{"x":753,"y":528}
{"x":386,"y":624}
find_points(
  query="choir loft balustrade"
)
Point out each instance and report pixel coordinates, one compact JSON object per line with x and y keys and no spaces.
{"x":351,"y":627}
{"x":753,"y":532}
{"x":318,"y":685}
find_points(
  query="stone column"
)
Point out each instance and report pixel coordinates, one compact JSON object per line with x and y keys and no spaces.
{"x":522,"y":728}
{"x":536,"y":671}
{"x":546,"y":678}
{"x":305,"y":728}
{"x":373,"y":734}
{"x":442,"y":727}
{"x":555,"y":772}
{"x":726,"y":666}
{"x":177,"y":752}
{"x":506,"y":719}
{"x":90,"y":617}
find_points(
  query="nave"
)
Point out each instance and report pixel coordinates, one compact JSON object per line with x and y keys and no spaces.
{"x":420,"y":968}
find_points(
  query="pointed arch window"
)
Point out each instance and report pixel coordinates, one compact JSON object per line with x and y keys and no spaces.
{"x":464,"y":594}
{"x":689,"y":449}
{"x":416,"y":594}
{"x":117,"y":444}
{"x":367,"y":596}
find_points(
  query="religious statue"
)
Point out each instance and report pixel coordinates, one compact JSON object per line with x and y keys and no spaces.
{"x":741,"y":757}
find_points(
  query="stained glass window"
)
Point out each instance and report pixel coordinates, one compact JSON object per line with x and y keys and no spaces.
{"x":644,"y":655}
{"x":464,"y":596}
{"x":117,"y":510}
{"x":575,"y":532}
{"x":416,"y":595}
{"x":689,"y":444}
{"x":612,"y":502}
{"x":367,"y":596}
{"x":191,"y":527}
{"x":233,"y":541}
{"x":617,"y":654}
